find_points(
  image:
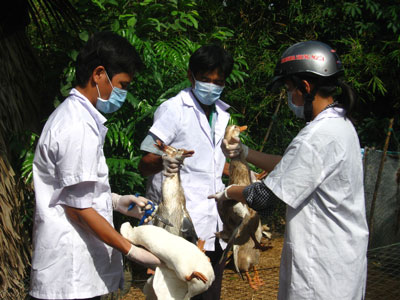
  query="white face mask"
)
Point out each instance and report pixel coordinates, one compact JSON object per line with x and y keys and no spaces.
{"x":114,"y":102}
{"x":207,"y":93}
{"x":298,"y":110}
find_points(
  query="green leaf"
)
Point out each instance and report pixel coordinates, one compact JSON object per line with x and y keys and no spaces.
{"x":99,"y":3}
{"x":73,"y":54}
{"x":145,"y":2}
{"x":113,"y":2}
{"x":377,"y":83}
{"x":65,"y":89}
{"x":84,"y":36}
{"x":156,"y":23}
{"x":194,"y":21}
{"x":132,"y":21}
{"x":115,"y":26}
{"x":132,"y":100}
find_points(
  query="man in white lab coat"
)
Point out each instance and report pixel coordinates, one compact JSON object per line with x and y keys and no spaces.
{"x":76,"y":250}
{"x":195,"y":119}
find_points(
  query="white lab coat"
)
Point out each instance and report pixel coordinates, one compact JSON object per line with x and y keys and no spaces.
{"x":320,"y":178}
{"x":70,"y":168}
{"x":182,"y":123}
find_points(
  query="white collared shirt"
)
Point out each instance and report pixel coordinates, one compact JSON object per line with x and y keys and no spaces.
{"x":69,"y":168}
{"x":320,"y":178}
{"x":182,"y":123}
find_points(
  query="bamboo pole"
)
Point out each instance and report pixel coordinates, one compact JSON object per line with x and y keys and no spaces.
{"x":378,"y":181}
{"x":281,"y":96}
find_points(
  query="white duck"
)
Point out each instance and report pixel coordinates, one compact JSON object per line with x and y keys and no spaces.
{"x":186,"y":271}
{"x":239,"y":216}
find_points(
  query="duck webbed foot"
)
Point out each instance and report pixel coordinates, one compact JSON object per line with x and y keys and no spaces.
{"x":197,"y":275}
{"x":251,"y":281}
{"x":256,"y":281}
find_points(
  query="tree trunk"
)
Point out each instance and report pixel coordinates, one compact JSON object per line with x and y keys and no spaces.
{"x":19,"y":113}
{"x":14,"y":242}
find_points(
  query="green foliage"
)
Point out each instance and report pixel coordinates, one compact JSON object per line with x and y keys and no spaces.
{"x":165,"y":35}
{"x":26,"y":157}
{"x":365,"y":33}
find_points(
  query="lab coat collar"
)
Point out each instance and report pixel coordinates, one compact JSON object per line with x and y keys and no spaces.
{"x":220,"y":108}
{"x":332,"y":112}
{"x":97,"y":116}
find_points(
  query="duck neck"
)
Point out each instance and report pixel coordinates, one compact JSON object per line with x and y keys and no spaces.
{"x":172,"y":191}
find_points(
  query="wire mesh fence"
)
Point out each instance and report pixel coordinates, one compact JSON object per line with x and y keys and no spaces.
{"x":383,"y":281}
{"x":382,"y":197}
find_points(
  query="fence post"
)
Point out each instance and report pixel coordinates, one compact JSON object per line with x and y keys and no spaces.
{"x":378,"y":181}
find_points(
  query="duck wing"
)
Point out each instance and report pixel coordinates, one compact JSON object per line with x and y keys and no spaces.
{"x":231,"y":242}
{"x":187,"y":230}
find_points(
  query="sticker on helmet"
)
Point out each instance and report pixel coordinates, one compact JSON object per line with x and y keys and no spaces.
{"x":316,"y":57}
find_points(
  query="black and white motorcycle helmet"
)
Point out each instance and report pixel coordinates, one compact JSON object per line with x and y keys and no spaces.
{"x":312,"y":58}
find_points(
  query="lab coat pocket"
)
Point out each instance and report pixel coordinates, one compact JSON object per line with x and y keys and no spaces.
{"x":44,"y":258}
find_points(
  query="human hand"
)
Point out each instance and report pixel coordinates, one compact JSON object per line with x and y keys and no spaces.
{"x":221,"y":196}
{"x":144,"y":257}
{"x":234,"y":148}
{"x":149,"y":212}
{"x":171,"y":165}
{"x":122,"y":204}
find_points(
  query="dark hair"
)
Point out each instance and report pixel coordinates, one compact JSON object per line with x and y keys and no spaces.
{"x":109,"y":50}
{"x":332,"y":86}
{"x":210,"y":57}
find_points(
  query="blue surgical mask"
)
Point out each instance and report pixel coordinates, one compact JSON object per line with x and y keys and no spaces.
{"x":206,"y":92}
{"x":298,"y":110}
{"x":114,"y":102}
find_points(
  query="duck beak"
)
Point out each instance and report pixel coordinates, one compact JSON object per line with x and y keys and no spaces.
{"x":243,"y":128}
{"x":188,"y":153}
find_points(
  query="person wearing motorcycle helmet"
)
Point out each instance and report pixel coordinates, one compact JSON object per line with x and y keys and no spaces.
{"x":311,"y":67}
{"x":319,"y":177}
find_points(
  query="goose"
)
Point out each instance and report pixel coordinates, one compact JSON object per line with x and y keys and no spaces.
{"x":239,"y":216}
{"x":185,"y":271}
{"x":173,"y":204}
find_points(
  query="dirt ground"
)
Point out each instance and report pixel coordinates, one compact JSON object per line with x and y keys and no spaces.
{"x":383,"y":280}
{"x":233,"y":287}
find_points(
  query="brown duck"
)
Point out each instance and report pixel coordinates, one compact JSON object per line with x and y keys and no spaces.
{"x":173,"y":204}
{"x":240,"y":221}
